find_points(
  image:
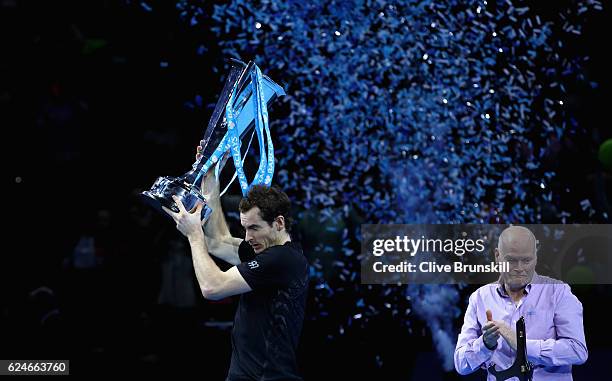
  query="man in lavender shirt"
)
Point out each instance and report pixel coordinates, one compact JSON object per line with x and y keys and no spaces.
{"x":553,"y":317}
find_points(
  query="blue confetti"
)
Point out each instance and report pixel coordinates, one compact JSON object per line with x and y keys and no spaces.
{"x":146,"y":6}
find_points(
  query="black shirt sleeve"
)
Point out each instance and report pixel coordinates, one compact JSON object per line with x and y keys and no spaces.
{"x":276,"y":266}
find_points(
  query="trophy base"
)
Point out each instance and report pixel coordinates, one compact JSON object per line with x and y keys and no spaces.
{"x":165,"y":187}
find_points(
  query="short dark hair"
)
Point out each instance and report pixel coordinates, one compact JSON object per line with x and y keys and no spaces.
{"x":271,"y":201}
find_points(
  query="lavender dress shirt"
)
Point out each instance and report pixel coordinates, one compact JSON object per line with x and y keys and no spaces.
{"x":553,"y":321}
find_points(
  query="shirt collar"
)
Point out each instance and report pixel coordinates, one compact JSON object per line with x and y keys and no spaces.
{"x":501,"y":290}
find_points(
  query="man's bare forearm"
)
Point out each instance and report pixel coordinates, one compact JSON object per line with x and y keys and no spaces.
{"x":216,"y":227}
{"x":207,"y":272}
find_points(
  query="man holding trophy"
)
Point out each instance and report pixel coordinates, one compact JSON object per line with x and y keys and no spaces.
{"x":270,"y":272}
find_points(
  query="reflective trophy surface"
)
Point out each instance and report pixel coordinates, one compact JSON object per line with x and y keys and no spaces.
{"x":241,"y":106}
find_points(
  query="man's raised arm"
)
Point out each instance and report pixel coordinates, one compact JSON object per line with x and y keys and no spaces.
{"x":220,"y":242}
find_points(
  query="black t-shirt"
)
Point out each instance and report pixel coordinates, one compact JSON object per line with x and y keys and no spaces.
{"x":269,"y":319}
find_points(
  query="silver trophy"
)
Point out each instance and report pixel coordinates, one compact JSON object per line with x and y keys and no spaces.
{"x":241,"y":108}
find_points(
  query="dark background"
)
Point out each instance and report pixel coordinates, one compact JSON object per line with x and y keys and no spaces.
{"x":91,"y":117}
